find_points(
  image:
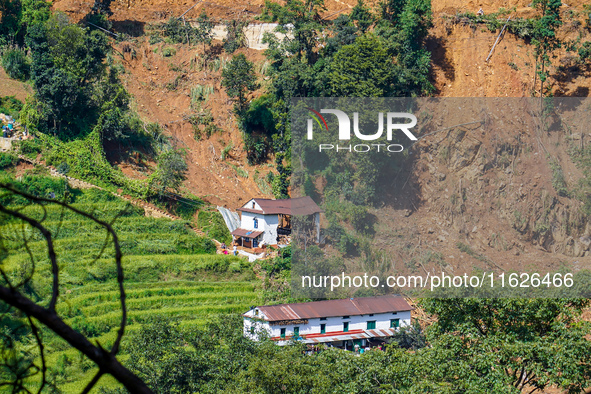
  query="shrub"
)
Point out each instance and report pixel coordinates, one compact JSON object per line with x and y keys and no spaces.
{"x":256,"y":148}
{"x":16,"y":64}
{"x":192,"y":244}
{"x":214,"y":226}
{"x":7,"y":160}
{"x":9,"y":105}
{"x":29,"y":148}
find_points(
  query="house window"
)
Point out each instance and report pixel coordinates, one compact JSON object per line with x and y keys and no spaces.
{"x":371,"y":314}
{"x":323,"y":328}
{"x":394,"y":313}
{"x":296,"y":332}
{"x":256,"y":312}
{"x":346,"y":326}
{"x":371,"y":325}
{"x":282,"y":333}
{"x":394,"y":323}
{"x":322,"y":318}
{"x":345,"y":317}
{"x":253,"y":206}
{"x":256,"y":223}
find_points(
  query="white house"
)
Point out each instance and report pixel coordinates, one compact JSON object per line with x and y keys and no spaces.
{"x":263,"y":220}
{"x":342,"y":323}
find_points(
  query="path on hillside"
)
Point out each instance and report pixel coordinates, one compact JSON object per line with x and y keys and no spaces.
{"x":149,"y":209}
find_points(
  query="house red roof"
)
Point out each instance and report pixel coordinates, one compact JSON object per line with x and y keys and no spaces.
{"x":240,"y":232}
{"x":290,"y":206}
{"x":330,"y":308}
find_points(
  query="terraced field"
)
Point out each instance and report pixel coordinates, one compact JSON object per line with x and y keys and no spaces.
{"x":170,"y":272}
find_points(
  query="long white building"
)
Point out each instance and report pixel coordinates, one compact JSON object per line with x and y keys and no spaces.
{"x":343,"y":323}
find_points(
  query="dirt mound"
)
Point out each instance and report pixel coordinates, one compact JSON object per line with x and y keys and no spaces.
{"x":11,"y":87}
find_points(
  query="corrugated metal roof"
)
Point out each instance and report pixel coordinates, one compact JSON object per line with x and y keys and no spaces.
{"x":289,"y":206}
{"x":330,"y":308}
{"x":240,"y":232}
{"x":349,"y":336}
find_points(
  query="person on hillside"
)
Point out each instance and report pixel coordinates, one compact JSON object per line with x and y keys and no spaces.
{"x":235,"y":250}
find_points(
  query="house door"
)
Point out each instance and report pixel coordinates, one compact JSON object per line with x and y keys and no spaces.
{"x":255,"y":243}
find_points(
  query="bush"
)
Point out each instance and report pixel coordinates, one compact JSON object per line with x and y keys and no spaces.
{"x":192,"y":244}
{"x":214,"y":226}
{"x":7,"y":160}
{"x":236,"y":38}
{"x":9,"y":105}
{"x":256,"y":148}
{"x":16,"y":64}
{"x":40,"y":186}
{"x":29,"y":148}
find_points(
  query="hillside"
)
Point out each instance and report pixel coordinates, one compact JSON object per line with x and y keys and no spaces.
{"x":487,"y":187}
{"x":502,"y":207}
{"x":458,"y":48}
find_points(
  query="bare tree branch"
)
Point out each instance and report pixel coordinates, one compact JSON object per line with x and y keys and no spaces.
{"x":41,"y":352}
{"x":93,"y":382}
{"x":116,"y":246}
{"x":106,"y":361}
{"x":50,"y":250}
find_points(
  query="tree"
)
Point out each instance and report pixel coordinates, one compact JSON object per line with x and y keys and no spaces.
{"x":204,"y":30}
{"x":510,"y":344}
{"x":238,"y":78}
{"x":545,"y":40}
{"x":235,"y":38}
{"x":67,"y":65}
{"x":362,"y":69}
{"x":171,"y":171}
{"x":18,"y":298}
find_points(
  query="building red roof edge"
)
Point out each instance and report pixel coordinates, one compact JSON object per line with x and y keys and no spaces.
{"x":332,"y":308}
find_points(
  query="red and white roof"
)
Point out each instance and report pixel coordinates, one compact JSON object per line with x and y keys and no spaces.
{"x":331,"y":308}
{"x":289,"y":206}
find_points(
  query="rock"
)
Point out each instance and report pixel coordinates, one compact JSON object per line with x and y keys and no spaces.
{"x":441,"y":238}
{"x":585,"y":241}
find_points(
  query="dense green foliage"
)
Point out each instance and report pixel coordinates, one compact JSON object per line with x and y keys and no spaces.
{"x":67,"y":68}
{"x":538,"y":343}
{"x":238,"y":78}
{"x":9,"y":105}
{"x":15,"y":62}
{"x":212,"y":223}
{"x":357,"y":54}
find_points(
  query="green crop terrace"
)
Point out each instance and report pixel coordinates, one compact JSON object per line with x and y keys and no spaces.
{"x":170,"y":272}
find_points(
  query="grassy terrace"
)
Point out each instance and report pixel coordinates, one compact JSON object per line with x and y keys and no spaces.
{"x":170,"y":272}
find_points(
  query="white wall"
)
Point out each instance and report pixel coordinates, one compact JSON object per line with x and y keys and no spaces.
{"x":333,"y":324}
{"x":267,"y":223}
{"x":247,"y":221}
{"x":249,"y":205}
{"x":271,"y":223}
